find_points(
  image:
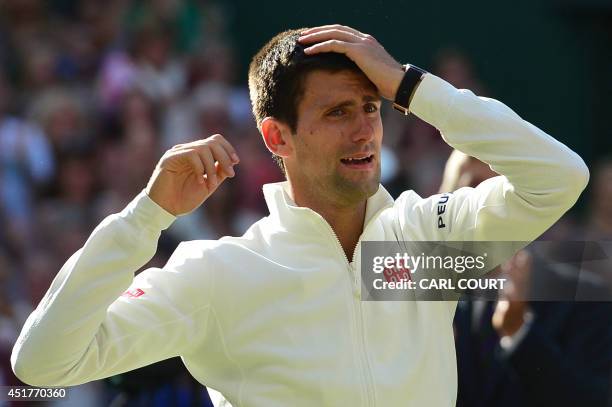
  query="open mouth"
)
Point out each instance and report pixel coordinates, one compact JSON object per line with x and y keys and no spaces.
{"x":358,"y":162}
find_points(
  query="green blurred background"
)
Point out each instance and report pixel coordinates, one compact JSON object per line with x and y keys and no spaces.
{"x":551,"y":61}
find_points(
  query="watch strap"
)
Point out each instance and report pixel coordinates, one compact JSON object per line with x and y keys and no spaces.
{"x":412,"y":77}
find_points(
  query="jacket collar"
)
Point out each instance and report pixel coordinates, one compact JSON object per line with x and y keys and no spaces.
{"x":284,"y":210}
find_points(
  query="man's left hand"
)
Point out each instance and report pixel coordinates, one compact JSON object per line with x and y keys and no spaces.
{"x":375,"y":62}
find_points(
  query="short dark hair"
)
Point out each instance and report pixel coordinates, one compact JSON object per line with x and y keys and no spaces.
{"x":277,"y":74}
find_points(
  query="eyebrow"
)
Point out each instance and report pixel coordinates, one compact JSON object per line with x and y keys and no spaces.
{"x":350,"y":102}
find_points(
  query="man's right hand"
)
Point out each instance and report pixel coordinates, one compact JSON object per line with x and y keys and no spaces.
{"x":188,"y":174}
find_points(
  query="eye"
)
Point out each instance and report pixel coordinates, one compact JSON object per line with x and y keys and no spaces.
{"x":370,"y":108}
{"x":336,"y":113}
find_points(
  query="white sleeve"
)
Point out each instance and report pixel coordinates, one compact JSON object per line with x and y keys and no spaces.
{"x":540,"y":177}
{"x":85,"y":329}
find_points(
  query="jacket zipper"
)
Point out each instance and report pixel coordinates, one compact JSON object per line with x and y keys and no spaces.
{"x":366,"y":359}
{"x":357,"y":321}
{"x":360,"y":322}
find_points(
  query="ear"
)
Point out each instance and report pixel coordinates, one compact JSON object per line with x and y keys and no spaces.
{"x":277,"y":137}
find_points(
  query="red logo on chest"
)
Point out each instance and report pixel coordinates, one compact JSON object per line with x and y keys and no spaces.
{"x":133,"y":293}
{"x":396,"y":275}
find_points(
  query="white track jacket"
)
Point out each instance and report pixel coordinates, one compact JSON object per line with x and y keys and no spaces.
{"x":274,"y":317}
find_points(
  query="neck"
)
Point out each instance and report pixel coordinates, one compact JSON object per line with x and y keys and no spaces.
{"x":345,"y":220}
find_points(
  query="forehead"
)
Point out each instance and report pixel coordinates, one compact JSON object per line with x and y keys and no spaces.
{"x":322,"y":88}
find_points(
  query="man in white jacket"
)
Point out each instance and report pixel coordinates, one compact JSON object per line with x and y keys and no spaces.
{"x":274,"y":318}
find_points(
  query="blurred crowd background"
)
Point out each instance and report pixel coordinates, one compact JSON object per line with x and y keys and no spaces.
{"x":91,"y":94}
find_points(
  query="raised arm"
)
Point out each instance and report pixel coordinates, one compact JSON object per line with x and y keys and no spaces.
{"x":540,"y":177}
{"x":88,"y":326}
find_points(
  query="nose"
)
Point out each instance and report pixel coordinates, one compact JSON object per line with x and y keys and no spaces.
{"x":363,"y":130}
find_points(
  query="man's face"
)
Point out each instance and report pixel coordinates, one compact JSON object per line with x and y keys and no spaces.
{"x":338,"y":138}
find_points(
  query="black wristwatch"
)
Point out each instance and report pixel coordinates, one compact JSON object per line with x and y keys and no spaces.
{"x":412,"y":77}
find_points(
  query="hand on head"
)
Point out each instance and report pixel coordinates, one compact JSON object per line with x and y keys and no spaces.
{"x":370,"y":56}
